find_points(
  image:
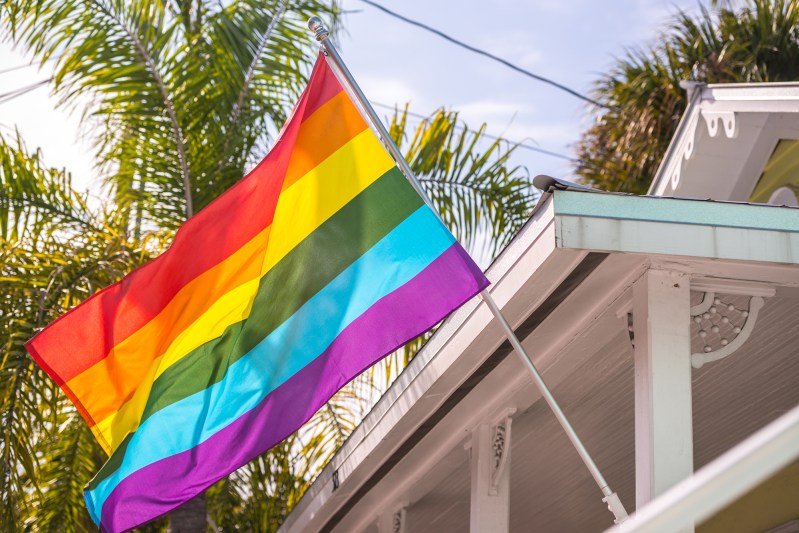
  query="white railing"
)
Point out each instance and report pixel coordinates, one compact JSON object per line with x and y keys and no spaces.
{"x":720,"y":482}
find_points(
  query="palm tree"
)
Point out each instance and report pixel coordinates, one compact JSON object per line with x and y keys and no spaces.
{"x":480,"y":196}
{"x":181,"y":98}
{"x":54,"y":252}
{"x":750,"y":41}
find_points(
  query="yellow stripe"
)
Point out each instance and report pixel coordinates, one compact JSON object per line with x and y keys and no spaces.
{"x":324,"y":190}
{"x":324,"y":132}
{"x":104,"y":444}
{"x":301,"y":209}
{"x":105,"y":386}
{"x":233,"y":307}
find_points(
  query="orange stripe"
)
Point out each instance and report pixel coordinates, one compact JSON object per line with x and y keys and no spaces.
{"x":301,"y":209}
{"x":121,"y":372}
{"x":329,"y":128}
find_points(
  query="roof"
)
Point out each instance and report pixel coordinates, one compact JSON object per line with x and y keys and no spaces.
{"x":564,"y":284}
{"x":725,"y":137}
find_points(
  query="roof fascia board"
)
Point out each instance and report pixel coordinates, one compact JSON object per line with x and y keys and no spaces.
{"x":680,"y":147}
{"x":678,"y":227}
{"x":742,"y":92}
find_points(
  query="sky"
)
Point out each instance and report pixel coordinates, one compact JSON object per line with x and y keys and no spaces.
{"x":569,"y":41}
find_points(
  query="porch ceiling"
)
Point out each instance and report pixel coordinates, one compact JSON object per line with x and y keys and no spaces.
{"x":551,"y":490}
{"x":565,"y":284}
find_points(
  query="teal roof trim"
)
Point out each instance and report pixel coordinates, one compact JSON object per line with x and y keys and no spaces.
{"x":677,"y":210}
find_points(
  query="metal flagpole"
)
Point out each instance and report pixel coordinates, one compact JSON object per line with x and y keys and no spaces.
{"x":345,"y":77}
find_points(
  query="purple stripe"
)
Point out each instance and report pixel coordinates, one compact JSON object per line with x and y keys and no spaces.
{"x":392,"y":321}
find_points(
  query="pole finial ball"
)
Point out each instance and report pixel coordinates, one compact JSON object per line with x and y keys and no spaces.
{"x":316,"y":25}
{"x":313,"y":23}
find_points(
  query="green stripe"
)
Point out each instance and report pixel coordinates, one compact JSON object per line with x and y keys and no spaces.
{"x":311,"y":265}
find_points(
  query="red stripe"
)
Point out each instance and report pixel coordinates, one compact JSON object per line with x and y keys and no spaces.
{"x":326,"y":87}
{"x":86,"y":334}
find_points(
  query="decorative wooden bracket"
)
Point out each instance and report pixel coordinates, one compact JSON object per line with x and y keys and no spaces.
{"x":720,"y":120}
{"x":716,"y":122}
{"x":398,"y":520}
{"x":724,"y":326}
{"x":501,"y":450}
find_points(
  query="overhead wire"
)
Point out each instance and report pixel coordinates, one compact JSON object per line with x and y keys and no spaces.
{"x":28,"y":65}
{"x":18,"y":67}
{"x":520,"y":144}
{"x":6,"y":97}
{"x":484,"y":53}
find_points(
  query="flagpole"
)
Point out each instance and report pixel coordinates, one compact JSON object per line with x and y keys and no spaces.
{"x":345,"y":77}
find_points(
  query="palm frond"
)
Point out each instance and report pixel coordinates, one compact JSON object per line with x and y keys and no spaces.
{"x":479,"y":196}
{"x":183,"y":97}
{"x":73,"y":457}
{"x":752,"y":41}
{"x":34,"y":198}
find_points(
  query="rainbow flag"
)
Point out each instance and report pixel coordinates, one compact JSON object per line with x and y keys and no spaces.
{"x":314,"y":266}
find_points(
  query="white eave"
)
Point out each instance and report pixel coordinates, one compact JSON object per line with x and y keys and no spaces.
{"x":568,"y":269}
{"x":724,"y":139}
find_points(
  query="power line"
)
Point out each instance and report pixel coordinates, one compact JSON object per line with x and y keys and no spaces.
{"x":486,"y":54}
{"x":5,"y":97}
{"x":489,"y":136}
{"x":28,"y":65}
{"x":18,"y":67}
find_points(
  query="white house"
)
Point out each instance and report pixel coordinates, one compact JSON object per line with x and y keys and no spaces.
{"x":666,"y":326}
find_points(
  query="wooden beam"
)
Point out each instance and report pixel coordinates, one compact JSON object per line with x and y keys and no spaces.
{"x":490,"y":493}
{"x":663,"y":412}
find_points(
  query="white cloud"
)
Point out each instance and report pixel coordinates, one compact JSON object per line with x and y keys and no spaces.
{"x":493,"y":112}
{"x":43,"y":125}
{"x":546,"y":135}
{"x":519,"y":122}
{"x":387,"y":90}
{"x":652,"y":17}
{"x":516,"y":46}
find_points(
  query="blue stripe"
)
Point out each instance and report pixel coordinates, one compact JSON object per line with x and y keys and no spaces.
{"x":388,"y":265}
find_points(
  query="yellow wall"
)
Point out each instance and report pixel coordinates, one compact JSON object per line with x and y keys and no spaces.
{"x":770,"y":504}
{"x":782,"y":170}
